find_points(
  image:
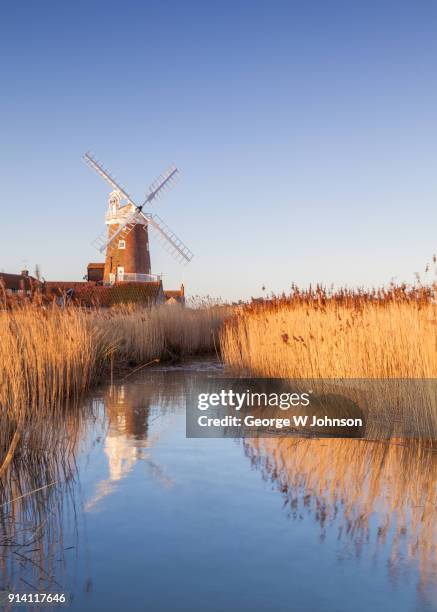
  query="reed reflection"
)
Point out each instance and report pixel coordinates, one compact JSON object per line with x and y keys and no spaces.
{"x":37,"y":496}
{"x":370,"y":494}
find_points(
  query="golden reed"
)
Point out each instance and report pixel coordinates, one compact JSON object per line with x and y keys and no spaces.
{"x":320,"y":334}
{"x":49,"y":354}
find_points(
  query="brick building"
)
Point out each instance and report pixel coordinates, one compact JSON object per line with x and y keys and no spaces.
{"x":95,"y":272}
{"x":19,"y":284}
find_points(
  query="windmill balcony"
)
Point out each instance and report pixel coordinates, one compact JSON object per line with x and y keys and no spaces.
{"x":118,"y":215}
{"x":134,"y":278}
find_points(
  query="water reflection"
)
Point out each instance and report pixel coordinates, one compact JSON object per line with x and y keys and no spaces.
{"x":128,"y":409}
{"x":372,"y":494}
{"x":374,"y":498}
{"x":37,"y":495}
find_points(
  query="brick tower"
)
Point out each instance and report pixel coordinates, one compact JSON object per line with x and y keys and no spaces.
{"x":127,"y":257}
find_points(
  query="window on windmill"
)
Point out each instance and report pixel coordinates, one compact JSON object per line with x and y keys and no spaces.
{"x":122,"y":244}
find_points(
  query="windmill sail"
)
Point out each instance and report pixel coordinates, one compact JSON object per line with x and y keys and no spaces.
{"x":170,"y":241}
{"x":124,"y":229}
{"x":104,"y":173}
{"x":161,"y":183}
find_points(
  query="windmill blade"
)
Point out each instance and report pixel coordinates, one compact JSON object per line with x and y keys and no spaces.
{"x":105,"y":174}
{"x":124,"y":228}
{"x":100,"y":240}
{"x":170,"y":241}
{"x":163,"y":182}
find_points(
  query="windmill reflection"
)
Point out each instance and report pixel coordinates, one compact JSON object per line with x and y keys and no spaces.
{"x":129,"y":411}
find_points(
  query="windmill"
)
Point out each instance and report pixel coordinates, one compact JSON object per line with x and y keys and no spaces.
{"x":126,"y":239}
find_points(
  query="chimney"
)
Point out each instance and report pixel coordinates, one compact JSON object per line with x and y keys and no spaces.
{"x":182,"y":290}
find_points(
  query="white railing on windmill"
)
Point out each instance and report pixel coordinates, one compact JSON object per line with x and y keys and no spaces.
{"x":171,"y":242}
{"x":139,"y":278}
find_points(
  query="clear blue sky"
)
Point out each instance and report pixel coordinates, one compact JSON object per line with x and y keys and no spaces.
{"x":306,"y":133}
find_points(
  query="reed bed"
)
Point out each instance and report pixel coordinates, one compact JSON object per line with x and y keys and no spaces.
{"x":50,"y":354}
{"x":141,"y":335}
{"x":345,"y":334}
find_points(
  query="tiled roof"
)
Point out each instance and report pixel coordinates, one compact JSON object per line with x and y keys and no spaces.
{"x":66,"y":284}
{"x":96,"y":265}
{"x":150,"y":289}
{"x":18,"y":281}
{"x":91,"y":294}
